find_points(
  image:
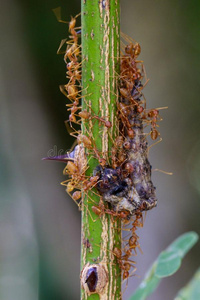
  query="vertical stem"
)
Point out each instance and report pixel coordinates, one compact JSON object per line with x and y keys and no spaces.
{"x":100,"y":55}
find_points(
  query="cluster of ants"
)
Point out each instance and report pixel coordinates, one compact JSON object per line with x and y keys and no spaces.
{"x":125,"y":186}
{"x":72,"y":57}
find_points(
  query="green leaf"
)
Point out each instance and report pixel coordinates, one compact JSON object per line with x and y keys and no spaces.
{"x":147,"y":286}
{"x":169,"y":261}
{"x":167,"y":264}
{"x":184,"y":243}
{"x":192,"y":289}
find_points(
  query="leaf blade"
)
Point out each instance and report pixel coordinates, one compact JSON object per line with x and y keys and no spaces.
{"x":192,"y":290}
{"x":167,"y":263}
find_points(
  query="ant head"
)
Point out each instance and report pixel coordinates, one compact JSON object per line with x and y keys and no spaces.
{"x":129,"y":48}
{"x":137,"y":49}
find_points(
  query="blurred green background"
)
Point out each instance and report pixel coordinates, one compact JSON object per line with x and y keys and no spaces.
{"x":39,"y":224}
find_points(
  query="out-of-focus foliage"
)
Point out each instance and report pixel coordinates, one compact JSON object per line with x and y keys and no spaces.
{"x":169,"y":260}
{"x":192,"y":289}
{"x":167,"y":263}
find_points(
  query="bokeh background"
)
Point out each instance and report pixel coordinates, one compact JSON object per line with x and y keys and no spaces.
{"x":39,"y":224}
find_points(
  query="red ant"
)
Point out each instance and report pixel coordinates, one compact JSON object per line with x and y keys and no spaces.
{"x":100,"y":210}
{"x":86,"y":115}
{"x":71,"y":58}
{"x":124,"y":263}
{"x":153,"y":114}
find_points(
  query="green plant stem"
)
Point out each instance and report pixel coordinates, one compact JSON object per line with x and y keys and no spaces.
{"x":100,"y":66}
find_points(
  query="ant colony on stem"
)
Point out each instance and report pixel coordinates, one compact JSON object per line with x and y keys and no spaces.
{"x":124,"y":185}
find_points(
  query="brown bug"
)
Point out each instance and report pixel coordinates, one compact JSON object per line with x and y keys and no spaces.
{"x":153,"y":115}
{"x":99,"y":210}
{"x":89,"y":184}
{"x":124,"y":263}
{"x":134,"y":238}
{"x":84,"y":114}
{"x":76,"y":165}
